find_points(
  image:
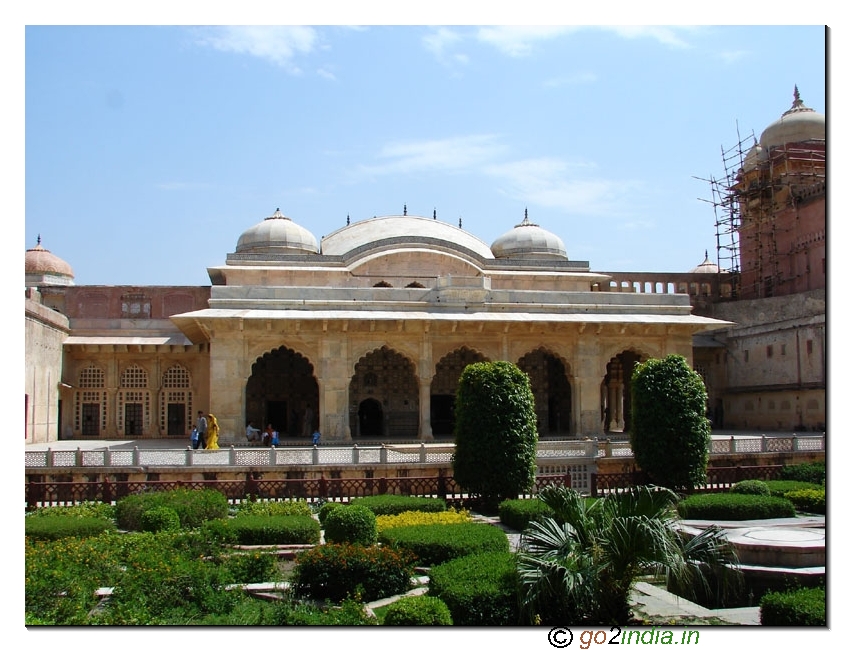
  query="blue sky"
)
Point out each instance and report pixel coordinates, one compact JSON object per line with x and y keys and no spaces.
{"x":149,"y":150}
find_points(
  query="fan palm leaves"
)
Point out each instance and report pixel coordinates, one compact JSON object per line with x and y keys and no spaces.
{"x":581,"y":563}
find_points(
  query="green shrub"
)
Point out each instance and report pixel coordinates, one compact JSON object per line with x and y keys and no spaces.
{"x":56,"y":527}
{"x":252,"y":567}
{"x":274,"y":508}
{"x":160,"y":518}
{"x":418,"y":610}
{"x":808,"y":500}
{"x":751,"y":487}
{"x":517,"y":513}
{"x":86,"y":509}
{"x":194,"y":507}
{"x":326,"y":508}
{"x":349,"y":613}
{"x":393,"y":504}
{"x":480,"y":589}
{"x":809,"y":472}
{"x":801,"y":607}
{"x":734,"y":507}
{"x":266,"y":529}
{"x":434,"y":544}
{"x":352,"y":525}
{"x":337,"y":571}
{"x":781,"y":488}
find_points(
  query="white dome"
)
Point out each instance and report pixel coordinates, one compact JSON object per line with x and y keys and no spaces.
{"x":277,"y":234}
{"x":529,"y":241}
{"x":797,"y":124}
{"x":41,"y":267}
{"x":755,"y":156}
{"x":706,"y":266}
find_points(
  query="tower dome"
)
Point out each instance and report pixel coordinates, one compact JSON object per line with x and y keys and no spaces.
{"x":41,"y":267}
{"x":798,"y":124}
{"x":528,"y":241}
{"x":279,"y":235}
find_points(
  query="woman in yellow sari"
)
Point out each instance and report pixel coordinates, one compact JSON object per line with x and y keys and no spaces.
{"x":212,"y":432}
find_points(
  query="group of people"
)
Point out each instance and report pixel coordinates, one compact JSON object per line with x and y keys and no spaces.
{"x":270,"y":437}
{"x":205,"y":432}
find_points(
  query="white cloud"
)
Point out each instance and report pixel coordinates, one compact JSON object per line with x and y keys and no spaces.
{"x":730,"y":57}
{"x":664,"y":34}
{"x":571,"y":187}
{"x":517,"y":40}
{"x":440,"y":42}
{"x":464,"y":153}
{"x":278,"y":44}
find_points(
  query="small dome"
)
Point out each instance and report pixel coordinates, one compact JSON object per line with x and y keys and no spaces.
{"x":278,"y":235}
{"x":755,"y":156}
{"x":798,"y":124}
{"x":43,"y":267}
{"x":707,"y":266}
{"x":528,"y":241}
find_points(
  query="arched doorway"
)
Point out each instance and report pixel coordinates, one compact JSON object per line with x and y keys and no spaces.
{"x":388,"y":379}
{"x":370,"y":418}
{"x":550,"y":384}
{"x":616,"y":389}
{"x":444,"y":388}
{"x":281,"y":391}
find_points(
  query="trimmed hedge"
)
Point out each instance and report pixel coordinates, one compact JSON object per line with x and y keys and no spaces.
{"x":781,"y":488}
{"x":393,"y":504}
{"x":751,"y":487}
{"x":734,"y":507}
{"x":801,"y":607}
{"x":85,"y":509}
{"x":518,"y":513}
{"x":326,"y":508}
{"x":160,"y":518}
{"x":56,"y":527}
{"x":418,"y":610}
{"x":352,"y":525}
{"x":194,"y":507}
{"x":274,"y":508}
{"x":337,"y":571}
{"x":480,"y":589}
{"x":813,"y":500}
{"x":437,"y":543}
{"x":265,"y":529}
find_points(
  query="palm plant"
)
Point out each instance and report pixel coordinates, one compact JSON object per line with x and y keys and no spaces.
{"x":580,"y":564}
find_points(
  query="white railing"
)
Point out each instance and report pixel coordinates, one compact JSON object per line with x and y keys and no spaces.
{"x":549,"y":453}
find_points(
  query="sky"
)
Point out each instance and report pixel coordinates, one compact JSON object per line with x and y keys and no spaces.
{"x":150,"y":149}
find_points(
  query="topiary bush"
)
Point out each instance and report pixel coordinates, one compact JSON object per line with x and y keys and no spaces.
{"x":336,"y":571}
{"x":57,"y":527}
{"x":351,"y":524}
{"x":325,"y":509}
{"x":194,"y":507}
{"x":159,"y":518}
{"x":801,"y":607}
{"x":434,"y":544}
{"x":517,"y":513}
{"x":394,"y":504}
{"x":670,"y":435}
{"x":750,"y":487}
{"x":480,"y":589}
{"x":813,"y":501}
{"x":418,"y":610}
{"x":266,"y":529}
{"x":734,"y":507}
{"x":809,"y":472}
{"x":495,"y":454}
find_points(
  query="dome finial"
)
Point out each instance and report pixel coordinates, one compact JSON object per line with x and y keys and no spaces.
{"x":460,"y":222}
{"x":435,"y":213}
{"x":38,"y":240}
{"x":348,"y":220}
{"x":797,"y":100}
{"x":405,"y":209}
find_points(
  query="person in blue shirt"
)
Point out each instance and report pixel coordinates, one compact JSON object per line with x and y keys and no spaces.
{"x":316,"y":437}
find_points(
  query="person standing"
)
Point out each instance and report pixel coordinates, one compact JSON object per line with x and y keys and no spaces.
{"x":201,"y":426}
{"x":195,"y":438}
{"x":212,"y":432}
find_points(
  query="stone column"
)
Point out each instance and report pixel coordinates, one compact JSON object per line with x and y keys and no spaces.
{"x":426,"y":376}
